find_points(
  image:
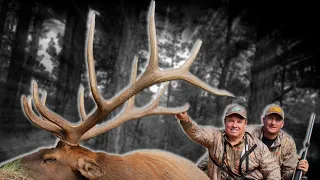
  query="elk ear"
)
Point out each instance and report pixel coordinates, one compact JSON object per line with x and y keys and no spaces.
{"x":89,"y":168}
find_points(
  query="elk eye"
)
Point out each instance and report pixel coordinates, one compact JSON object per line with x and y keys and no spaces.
{"x":49,"y":160}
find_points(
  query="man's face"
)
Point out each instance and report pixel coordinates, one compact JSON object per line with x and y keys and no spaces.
{"x":273,"y":123}
{"x":235,"y":125}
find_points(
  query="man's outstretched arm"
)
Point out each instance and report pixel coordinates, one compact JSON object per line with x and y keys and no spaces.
{"x":202,"y":135}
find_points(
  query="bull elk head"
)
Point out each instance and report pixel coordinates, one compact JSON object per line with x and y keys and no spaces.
{"x":68,"y":160}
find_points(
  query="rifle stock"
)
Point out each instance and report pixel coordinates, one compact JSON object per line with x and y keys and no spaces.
{"x":298,"y":173}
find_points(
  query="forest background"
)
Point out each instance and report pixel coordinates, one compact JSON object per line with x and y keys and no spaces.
{"x":262,"y":51}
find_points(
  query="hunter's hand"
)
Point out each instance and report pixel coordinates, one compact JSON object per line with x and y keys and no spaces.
{"x":183,"y":117}
{"x":303,"y":166}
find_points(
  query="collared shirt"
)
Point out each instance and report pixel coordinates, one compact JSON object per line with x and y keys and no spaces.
{"x":262,"y":165}
{"x":233,"y":155}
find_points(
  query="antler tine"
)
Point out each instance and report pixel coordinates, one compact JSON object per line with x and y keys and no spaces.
{"x":44,"y":98}
{"x":81,"y":103}
{"x":47,"y":125}
{"x":130,"y":103}
{"x":93,"y":131}
{"x":154,"y":109}
{"x":91,"y":69}
{"x":180,"y":73}
{"x":102,"y":105}
{"x":43,"y":101}
{"x":174,"y":74}
{"x":134,"y":113}
{"x":153,"y":60}
{"x":194,"y":52}
{"x":151,"y":76}
{"x":192,"y":79}
{"x":46,"y":113}
{"x":157,"y":99}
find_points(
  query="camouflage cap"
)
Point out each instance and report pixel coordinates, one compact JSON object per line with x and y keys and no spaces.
{"x":236,"y":109}
{"x":274,"y":109}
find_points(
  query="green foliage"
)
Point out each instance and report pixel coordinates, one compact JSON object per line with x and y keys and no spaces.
{"x":13,"y":170}
{"x":13,"y":166}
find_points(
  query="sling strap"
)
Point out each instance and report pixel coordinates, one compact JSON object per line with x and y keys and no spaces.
{"x":226,"y":169}
{"x":246,"y":155}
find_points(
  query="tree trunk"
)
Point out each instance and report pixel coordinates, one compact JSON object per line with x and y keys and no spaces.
{"x":3,"y":17}
{"x":135,"y":138}
{"x":15,"y":73}
{"x":263,"y":78}
{"x":64,"y":61}
{"x":229,"y":55}
{"x":71,"y":63}
{"x":11,"y":100}
{"x":169,"y":123}
{"x":123,"y":67}
{"x":75,"y":66}
{"x":222,"y":101}
{"x":32,"y":56}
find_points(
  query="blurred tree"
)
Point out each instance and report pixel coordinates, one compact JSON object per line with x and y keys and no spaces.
{"x":52,"y":50}
{"x":238,"y":38}
{"x":209,"y":28}
{"x":11,"y":94}
{"x":3,"y":17}
{"x":129,"y":21}
{"x":55,"y":56}
{"x":170,"y":56}
{"x":31,"y":61}
{"x":71,"y":61}
{"x":3,"y":56}
{"x":264,"y":74}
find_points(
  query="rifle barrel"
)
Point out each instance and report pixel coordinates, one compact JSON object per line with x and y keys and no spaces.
{"x":313,"y":116}
{"x":298,"y":173}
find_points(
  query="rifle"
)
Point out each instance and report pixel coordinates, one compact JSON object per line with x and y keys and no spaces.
{"x":298,"y":173}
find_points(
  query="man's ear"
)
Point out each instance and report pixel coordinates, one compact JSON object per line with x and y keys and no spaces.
{"x":264,"y":120}
{"x":89,"y":168}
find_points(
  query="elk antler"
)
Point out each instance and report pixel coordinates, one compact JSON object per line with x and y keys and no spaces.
{"x":71,"y":134}
{"x":53,"y":128}
{"x":130,"y":112}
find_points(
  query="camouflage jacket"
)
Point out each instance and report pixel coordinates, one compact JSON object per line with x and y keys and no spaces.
{"x":283,"y":149}
{"x":262,"y":165}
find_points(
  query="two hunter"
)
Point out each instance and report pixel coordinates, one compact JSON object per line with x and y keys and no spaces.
{"x":279,"y":143}
{"x":234,"y":153}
